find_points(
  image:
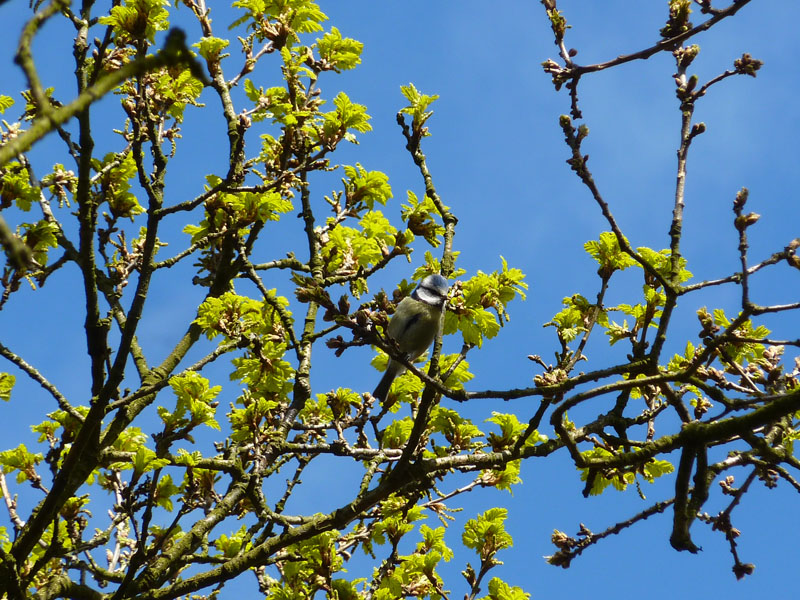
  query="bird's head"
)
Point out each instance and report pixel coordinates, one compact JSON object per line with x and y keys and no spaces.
{"x":432,"y":290}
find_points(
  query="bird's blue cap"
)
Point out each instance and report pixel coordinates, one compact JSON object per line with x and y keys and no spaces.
{"x":432,"y":290}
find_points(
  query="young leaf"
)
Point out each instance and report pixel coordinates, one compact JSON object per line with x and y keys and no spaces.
{"x":340,"y":54}
{"x":7,"y":381}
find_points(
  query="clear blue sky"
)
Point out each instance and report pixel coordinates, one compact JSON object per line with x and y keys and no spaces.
{"x":498,"y":159}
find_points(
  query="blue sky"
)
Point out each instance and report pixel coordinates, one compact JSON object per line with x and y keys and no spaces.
{"x":498,"y":159}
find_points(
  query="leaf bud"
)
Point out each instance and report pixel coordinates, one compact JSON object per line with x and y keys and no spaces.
{"x":561,"y":539}
{"x":741,"y":199}
{"x":747,"y":65}
{"x":685,"y":55}
{"x":742,"y":222}
{"x":742,"y":569}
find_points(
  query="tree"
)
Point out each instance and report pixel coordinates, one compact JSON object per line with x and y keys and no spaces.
{"x":194,"y":498}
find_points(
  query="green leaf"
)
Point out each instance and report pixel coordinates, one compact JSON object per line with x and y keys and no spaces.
{"x":247,"y":421}
{"x":417,"y":107}
{"x":656,"y":468}
{"x":130,"y":440}
{"x":253,"y":93}
{"x":340,"y":53}
{"x":460,"y":375}
{"x":210,"y":48}
{"x":267,"y":372}
{"x":342,"y":402}
{"x":470,"y":312}
{"x":423,"y":219}
{"x":15,"y":187}
{"x":195,"y":404}
{"x":229,"y":314}
{"x":617,"y":332}
{"x":396,"y":433}
{"x":188,"y":459}
{"x":500,"y":590}
{"x":138,"y":19}
{"x":145,"y":460}
{"x":291,"y":16}
{"x":433,"y":541}
{"x":608,"y":254}
{"x":31,"y":106}
{"x":375,"y":226}
{"x":175,"y":92}
{"x":510,"y":431}
{"x":339,"y":124}
{"x":116,"y":173}
{"x":317,"y":558}
{"x":661,"y":261}
{"x":316,"y":412}
{"x":396,"y":520}
{"x":39,"y":237}
{"x":720,"y":318}
{"x":487,"y":534}
{"x":237,"y":211}
{"x":61,"y":182}
{"x":5,"y":541}
{"x":620,"y":478}
{"x":504,"y":478}
{"x":678,"y":22}
{"x":457,"y":430}
{"x":740,"y":352}
{"x":345,"y":249}
{"x":165,"y":489}
{"x":232,"y":546}
{"x":365,"y":187}
{"x":345,"y":590}
{"x":572,"y":321}
{"x":19,"y":459}
{"x":6,"y":102}
{"x":6,"y":384}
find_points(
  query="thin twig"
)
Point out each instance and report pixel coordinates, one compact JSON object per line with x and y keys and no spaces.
{"x":34,"y":374}
{"x":666,"y":45}
{"x":11,"y":504}
{"x":175,"y":51}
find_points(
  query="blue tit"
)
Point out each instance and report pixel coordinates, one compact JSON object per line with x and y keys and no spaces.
{"x":414,"y":326}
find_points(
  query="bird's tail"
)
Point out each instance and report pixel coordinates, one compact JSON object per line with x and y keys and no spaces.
{"x":385,"y":383}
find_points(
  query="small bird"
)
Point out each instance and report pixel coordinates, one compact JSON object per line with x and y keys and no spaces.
{"x":413,"y":326}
